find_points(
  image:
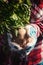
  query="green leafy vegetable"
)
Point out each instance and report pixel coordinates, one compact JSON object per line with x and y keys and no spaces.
{"x":13,"y":15}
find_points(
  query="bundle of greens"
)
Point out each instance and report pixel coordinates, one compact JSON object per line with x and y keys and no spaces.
{"x":14,"y":14}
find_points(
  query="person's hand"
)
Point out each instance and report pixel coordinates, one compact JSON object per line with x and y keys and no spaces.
{"x":24,"y":38}
{"x":21,"y":33}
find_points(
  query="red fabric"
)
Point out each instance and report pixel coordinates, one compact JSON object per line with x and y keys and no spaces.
{"x":34,"y":19}
{"x":34,"y":57}
{"x":41,"y":1}
{"x":41,"y":5}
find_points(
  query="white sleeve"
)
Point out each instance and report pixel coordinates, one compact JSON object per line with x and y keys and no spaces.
{"x":33,"y":32}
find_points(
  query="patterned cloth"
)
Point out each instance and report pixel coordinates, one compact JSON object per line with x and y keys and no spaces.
{"x":36,"y":56}
{"x":37,"y":15}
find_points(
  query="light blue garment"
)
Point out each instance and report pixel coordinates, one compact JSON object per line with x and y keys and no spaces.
{"x":32,"y":32}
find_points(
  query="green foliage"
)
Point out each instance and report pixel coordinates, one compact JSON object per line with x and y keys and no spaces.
{"x":14,"y":14}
